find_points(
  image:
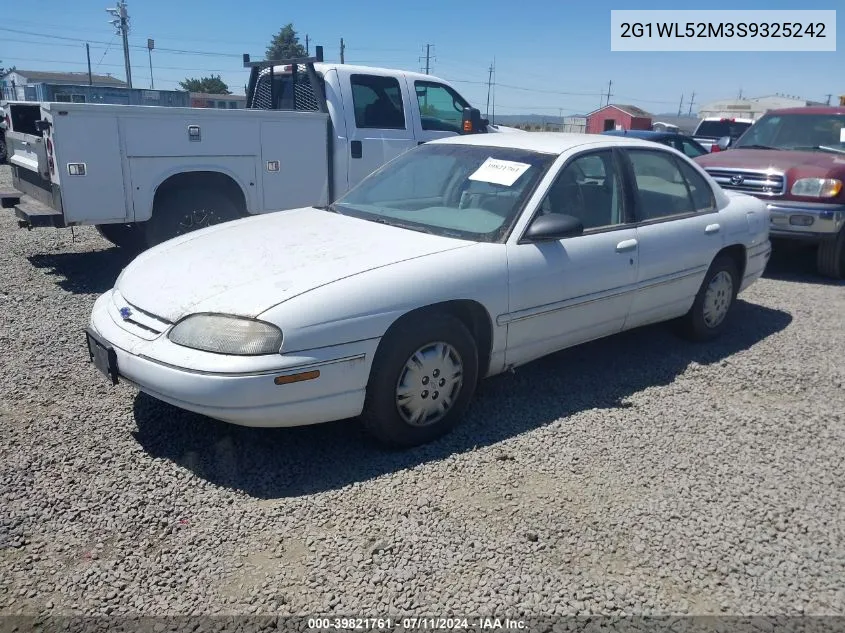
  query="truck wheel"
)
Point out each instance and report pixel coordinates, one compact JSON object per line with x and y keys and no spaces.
{"x":830,"y":258}
{"x":126,"y":236}
{"x":423,"y":377}
{"x":188,"y":209}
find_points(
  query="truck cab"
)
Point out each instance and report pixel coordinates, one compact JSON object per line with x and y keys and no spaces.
{"x":794,"y":160}
{"x":711,"y":129}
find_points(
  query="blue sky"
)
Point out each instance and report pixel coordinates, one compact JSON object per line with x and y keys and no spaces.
{"x":551,"y":56}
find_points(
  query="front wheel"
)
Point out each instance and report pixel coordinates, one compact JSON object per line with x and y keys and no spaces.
{"x":830,"y":259}
{"x":186,"y":209}
{"x":423,"y":378}
{"x":708,"y":316}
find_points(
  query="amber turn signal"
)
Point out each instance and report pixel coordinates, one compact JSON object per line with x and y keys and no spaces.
{"x":290,"y":378}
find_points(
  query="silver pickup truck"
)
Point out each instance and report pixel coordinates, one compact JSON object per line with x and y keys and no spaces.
{"x":144,"y":174}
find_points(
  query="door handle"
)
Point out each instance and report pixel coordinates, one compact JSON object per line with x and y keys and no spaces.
{"x":626,"y":245}
{"x":357,"y":149}
{"x":712,"y":228}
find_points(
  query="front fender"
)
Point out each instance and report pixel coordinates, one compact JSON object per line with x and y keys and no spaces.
{"x":364,"y":306}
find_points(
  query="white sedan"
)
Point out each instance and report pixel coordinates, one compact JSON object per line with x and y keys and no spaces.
{"x":460,"y":259}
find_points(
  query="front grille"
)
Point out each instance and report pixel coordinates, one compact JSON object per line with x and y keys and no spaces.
{"x":132,"y":319}
{"x":765,"y":183}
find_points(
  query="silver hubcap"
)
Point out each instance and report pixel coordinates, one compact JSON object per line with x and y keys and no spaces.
{"x":429,"y":383}
{"x":197,"y":219}
{"x":717,"y":299}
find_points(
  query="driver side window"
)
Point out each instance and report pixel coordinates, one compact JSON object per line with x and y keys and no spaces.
{"x":590,"y":189}
{"x":441,"y":108}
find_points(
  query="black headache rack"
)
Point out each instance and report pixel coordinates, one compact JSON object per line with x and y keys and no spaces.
{"x":306,"y":93}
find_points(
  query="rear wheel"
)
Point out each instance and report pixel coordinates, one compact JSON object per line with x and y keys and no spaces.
{"x":126,"y":236}
{"x":186,"y":209}
{"x":708,"y":316}
{"x":423,"y":378}
{"x":830,"y":258}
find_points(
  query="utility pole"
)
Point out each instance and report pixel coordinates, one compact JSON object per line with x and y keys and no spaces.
{"x":88,"y":55}
{"x":342,"y":48}
{"x":681,"y":105}
{"x":121,"y":23}
{"x":150,"y":46}
{"x":609,"y":84}
{"x":828,"y":98}
{"x":739,"y":97}
{"x":307,"y":51}
{"x":493,"y":110}
{"x":489,"y":86}
{"x":428,"y":59}
{"x":691,"y":101}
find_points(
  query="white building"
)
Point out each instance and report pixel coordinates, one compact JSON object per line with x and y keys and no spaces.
{"x":752,"y":108}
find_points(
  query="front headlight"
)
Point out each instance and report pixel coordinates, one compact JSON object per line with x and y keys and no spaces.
{"x":223,"y":334}
{"x":817,"y":187}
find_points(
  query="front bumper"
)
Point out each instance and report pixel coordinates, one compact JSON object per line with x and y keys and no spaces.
{"x":244,"y":397}
{"x":805,"y":220}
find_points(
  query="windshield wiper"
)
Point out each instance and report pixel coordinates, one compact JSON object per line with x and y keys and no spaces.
{"x":756,"y":146}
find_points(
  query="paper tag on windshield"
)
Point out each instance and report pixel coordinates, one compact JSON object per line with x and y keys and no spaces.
{"x":842,"y":135}
{"x":500,"y":172}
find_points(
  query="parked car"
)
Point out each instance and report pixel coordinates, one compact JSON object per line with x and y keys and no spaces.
{"x":144,"y":174}
{"x":711,"y":129}
{"x":794,"y":160}
{"x":462,"y":258}
{"x":684,"y":144}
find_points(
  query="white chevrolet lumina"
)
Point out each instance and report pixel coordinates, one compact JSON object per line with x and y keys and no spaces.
{"x":460,"y":259}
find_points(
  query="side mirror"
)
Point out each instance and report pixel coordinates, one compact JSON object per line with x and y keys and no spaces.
{"x":723,"y":143}
{"x":553,"y":226}
{"x":471,"y":122}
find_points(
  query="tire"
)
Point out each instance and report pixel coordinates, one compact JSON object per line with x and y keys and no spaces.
{"x":388,"y":420}
{"x":708,"y":316}
{"x":126,"y":236}
{"x":830,"y":258}
{"x":186,"y":209}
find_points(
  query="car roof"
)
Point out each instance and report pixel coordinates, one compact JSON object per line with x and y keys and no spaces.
{"x":544,"y":142}
{"x":810,"y":110}
{"x":642,"y":133}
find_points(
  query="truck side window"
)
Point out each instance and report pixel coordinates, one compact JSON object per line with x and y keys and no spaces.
{"x":377,"y":102}
{"x":441,"y":108}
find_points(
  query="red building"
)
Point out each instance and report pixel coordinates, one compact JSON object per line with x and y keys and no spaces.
{"x":618,"y":117}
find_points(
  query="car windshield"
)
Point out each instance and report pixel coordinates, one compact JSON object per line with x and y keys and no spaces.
{"x":718,"y":129}
{"x":465,"y":191}
{"x":814,"y":132}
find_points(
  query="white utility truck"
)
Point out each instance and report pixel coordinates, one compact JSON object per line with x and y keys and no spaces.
{"x":144,"y":174}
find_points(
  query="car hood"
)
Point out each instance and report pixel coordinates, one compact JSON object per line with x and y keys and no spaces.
{"x":247,"y":266}
{"x":780,"y":160}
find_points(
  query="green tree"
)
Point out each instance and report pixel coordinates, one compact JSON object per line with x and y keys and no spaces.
{"x":212,"y":85}
{"x":3,"y":70}
{"x":285,"y":45}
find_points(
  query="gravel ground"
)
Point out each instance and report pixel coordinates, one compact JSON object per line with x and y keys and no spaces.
{"x":638,"y":475}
